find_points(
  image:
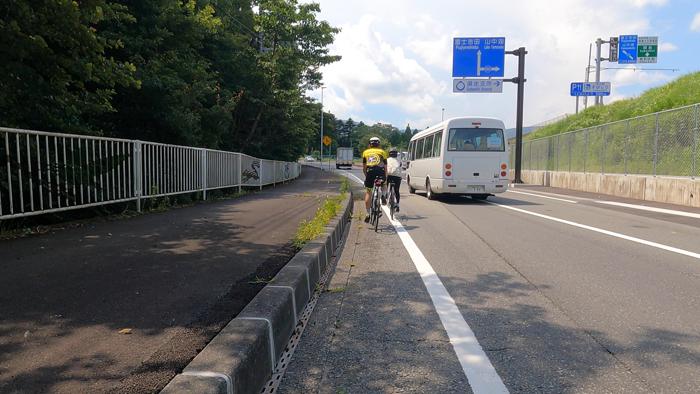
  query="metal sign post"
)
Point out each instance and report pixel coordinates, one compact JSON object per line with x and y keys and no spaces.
{"x":484,"y":57}
{"x":520,"y":80}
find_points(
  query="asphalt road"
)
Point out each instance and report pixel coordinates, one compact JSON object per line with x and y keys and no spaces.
{"x":174,"y":279}
{"x":564,"y":293}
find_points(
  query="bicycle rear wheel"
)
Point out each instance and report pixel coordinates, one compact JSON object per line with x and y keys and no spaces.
{"x":376,"y":207}
{"x":392,"y":200}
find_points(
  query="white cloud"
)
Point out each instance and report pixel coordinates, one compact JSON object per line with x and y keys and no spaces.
{"x":644,"y":3}
{"x":373,"y":71}
{"x":632,"y":76}
{"x":667,"y":47}
{"x":399,"y":59}
{"x":695,"y":24}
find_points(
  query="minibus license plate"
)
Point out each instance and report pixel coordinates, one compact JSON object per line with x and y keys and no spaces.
{"x":476,"y":188}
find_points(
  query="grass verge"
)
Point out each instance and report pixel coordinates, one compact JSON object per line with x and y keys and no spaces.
{"x":310,"y":229}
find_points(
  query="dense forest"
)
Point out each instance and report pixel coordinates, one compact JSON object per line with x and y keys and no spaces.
{"x":223,"y":74}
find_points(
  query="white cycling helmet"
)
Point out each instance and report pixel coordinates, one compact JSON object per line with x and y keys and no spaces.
{"x":374,"y":141}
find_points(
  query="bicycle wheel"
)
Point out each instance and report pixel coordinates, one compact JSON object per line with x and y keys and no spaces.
{"x":371,"y":210}
{"x":376,"y":207}
{"x":392,"y":200}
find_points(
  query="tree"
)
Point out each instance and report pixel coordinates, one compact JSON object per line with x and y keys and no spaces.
{"x":55,"y":74}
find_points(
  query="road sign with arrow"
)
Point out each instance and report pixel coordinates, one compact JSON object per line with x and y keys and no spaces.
{"x":647,"y":49}
{"x":478,"y":57}
{"x":628,"y":50}
{"x":464,"y":85}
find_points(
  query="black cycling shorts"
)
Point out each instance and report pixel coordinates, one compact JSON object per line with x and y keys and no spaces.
{"x":372,"y":174}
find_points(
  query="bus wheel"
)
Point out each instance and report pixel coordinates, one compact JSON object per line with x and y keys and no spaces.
{"x":429,"y":192}
{"x":411,"y":189}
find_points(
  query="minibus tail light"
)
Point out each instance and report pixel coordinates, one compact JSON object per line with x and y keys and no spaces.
{"x":448,"y":173}
{"x":503,"y":173}
{"x":504,"y":166}
{"x":448,"y":166}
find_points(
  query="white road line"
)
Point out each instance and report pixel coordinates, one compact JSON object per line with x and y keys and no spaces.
{"x":477,"y":367}
{"x":651,"y":209}
{"x":606,"y":232}
{"x":481,"y":374}
{"x":541,"y":196}
{"x":350,"y":174}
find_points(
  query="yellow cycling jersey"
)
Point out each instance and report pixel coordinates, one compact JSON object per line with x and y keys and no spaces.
{"x":374,"y":157}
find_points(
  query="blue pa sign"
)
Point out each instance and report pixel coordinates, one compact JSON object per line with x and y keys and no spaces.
{"x":478,"y":57}
{"x":627,"y":50}
{"x":590,"y":88}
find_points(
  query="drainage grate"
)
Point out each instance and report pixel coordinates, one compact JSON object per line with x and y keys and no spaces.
{"x":273,"y":384}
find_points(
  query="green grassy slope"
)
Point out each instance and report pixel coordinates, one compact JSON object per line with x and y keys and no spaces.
{"x":682,"y":91}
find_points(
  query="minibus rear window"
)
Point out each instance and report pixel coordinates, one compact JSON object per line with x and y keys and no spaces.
{"x":476,"y":140}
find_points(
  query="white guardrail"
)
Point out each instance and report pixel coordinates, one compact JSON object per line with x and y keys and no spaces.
{"x":43,"y":172}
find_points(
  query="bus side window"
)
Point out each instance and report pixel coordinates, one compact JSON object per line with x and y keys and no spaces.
{"x":437,"y":144}
{"x":429,"y":146}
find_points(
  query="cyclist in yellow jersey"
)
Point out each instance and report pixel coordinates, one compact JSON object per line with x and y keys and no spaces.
{"x":374,"y":166}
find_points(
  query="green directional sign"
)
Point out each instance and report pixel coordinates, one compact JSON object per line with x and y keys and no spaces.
{"x":647,"y":49}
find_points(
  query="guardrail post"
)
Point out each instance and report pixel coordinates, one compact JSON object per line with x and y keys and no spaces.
{"x":571,"y":137}
{"x":585,"y":149}
{"x":262,"y":162}
{"x":626,"y":147}
{"x":656,"y":143}
{"x":558,"y":151}
{"x":695,"y":140}
{"x":240,"y":172}
{"x":138,"y":184}
{"x":204,"y":173}
{"x":602,"y":152}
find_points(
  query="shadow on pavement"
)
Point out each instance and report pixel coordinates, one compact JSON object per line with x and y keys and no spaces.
{"x":173,"y":278}
{"x":388,"y":338}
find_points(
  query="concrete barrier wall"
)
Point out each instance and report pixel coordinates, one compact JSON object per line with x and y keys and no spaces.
{"x":680,"y":191}
{"x":242,"y":357}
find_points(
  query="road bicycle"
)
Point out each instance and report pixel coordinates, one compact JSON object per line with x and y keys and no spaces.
{"x":375,"y":211}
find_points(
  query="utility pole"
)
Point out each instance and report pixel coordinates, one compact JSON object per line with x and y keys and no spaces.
{"x":598,"y":44}
{"x":321,"y":151}
{"x":520,"y":80}
{"x":588,"y":74}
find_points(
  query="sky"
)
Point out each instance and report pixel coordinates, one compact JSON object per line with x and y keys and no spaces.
{"x":396,"y":62}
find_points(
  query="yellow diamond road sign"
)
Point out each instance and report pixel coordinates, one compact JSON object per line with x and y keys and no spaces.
{"x":326,"y":140}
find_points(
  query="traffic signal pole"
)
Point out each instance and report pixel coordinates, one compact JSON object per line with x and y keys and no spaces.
{"x":520,"y":81}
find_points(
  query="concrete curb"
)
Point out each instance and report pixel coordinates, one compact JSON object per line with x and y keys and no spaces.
{"x":242,"y":357}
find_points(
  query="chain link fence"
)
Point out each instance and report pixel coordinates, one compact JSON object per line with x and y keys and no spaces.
{"x":663,"y":143}
{"x":44,"y":172}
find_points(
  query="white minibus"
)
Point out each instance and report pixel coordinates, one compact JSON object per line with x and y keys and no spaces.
{"x":464,"y":156}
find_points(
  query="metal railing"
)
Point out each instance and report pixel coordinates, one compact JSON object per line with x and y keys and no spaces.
{"x":664,"y":143}
{"x":43,"y":172}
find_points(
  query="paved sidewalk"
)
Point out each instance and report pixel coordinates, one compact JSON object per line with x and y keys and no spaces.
{"x":173,"y":278}
{"x":375,"y":329}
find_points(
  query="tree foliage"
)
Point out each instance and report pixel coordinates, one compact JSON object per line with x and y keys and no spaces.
{"x":210,"y":73}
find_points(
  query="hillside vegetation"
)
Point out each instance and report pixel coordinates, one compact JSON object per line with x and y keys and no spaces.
{"x":680,"y":92}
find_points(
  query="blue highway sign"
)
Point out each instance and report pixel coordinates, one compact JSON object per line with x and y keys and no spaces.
{"x":590,"y":88}
{"x":478,"y":56}
{"x":628,"y":49}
